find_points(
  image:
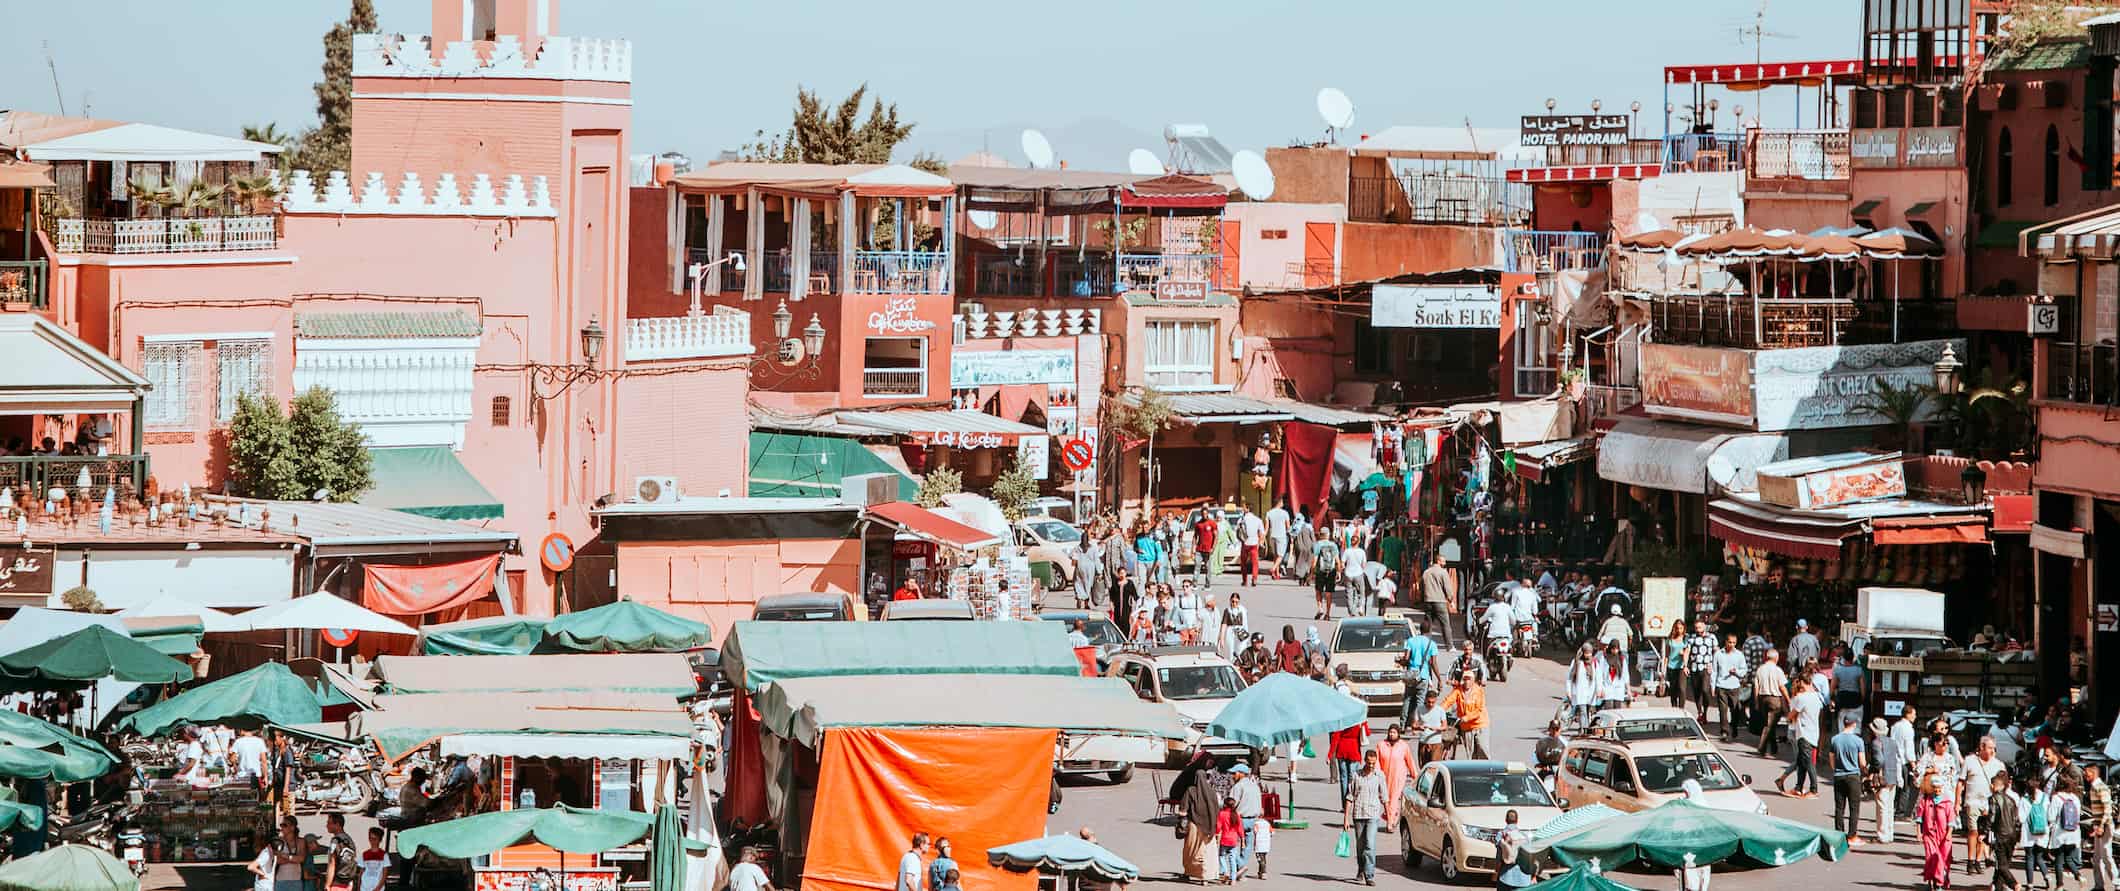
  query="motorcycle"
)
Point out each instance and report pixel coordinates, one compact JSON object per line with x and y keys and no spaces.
{"x":335,"y":791}
{"x":96,"y":825}
{"x":1527,"y":638}
{"x":1498,"y":659}
{"x":133,"y":841}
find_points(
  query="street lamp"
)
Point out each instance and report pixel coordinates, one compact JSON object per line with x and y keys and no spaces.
{"x":1550,"y":103}
{"x":782,"y":320}
{"x":1946,"y":371}
{"x":698,"y":272}
{"x":813,"y":336}
{"x":1974,"y":480}
{"x":592,"y":340}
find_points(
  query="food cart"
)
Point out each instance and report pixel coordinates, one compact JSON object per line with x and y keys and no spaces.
{"x":187,"y":823}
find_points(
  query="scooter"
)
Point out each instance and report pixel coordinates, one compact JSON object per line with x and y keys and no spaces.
{"x":1498,"y":658}
{"x":1527,"y":638}
{"x":133,"y":842}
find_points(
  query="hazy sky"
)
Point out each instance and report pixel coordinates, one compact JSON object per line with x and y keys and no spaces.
{"x":708,"y":74}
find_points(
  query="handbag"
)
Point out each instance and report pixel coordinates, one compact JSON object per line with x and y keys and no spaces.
{"x":1345,"y":846}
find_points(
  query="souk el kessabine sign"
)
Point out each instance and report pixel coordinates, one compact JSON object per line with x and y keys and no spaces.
{"x":1435,"y":306}
{"x":1574,"y":129}
{"x":1793,"y":389}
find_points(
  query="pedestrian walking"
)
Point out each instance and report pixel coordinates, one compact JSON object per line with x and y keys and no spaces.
{"x":1229,"y":834}
{"x":1887,"y":765}
{"x":1770,"y":695}
{"x":1978,"y":774}
{"x":1345,"y":746}
{"x":1419,"y":666}
{"x":2065,"y":818}
{"x":1674,"y":653}
{"x":1204,"y":531}
{"x":1395,"y":755}
{"x":1244,"y":794}
{"x":939,"y":869}
{"x":1730,"y":669}
{"x":1850,"y":762}
{"x":1302,"y":548}
{"x":1700,"y":671}
{"x":1905,"y":737}
{"x":1364,"y":808}
{"x":1277,"y":529}
{"x":1614,"y":685}
{"x":1850,"y":686}
{"x":1509,"y":853}
{"x":1806,"y":706}
{"x":1252,"y":537}
{"x":1934,"y":815}
{"x":2005,"y":828}
{"x":1288,"y":654}
{"x":1199,"y":808}
{"x":1803,"y":645}
{"x":2038,"y":834}
{"x":1354,"y":567}
{"x":2098,"y":828}
{"x":1087,"y":564}
{"x":912,"y":871}
{"x":1755,"y":647}
{"x":1439,"y":594}
{"x":1582,"y":684}
{"x":1325,"y":575}
{"x":1234,"y":624}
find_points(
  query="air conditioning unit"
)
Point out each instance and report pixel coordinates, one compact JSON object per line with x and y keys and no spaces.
{"x":655,"y":489}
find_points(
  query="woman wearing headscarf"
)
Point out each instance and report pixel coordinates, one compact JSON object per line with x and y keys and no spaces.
{"x":1313,"y":646}
{"x":1289,"y":655}
{"x":1582,"y":684}
{"x":1395,"y":755}
{"x":1228,"y":529}
{"x":1306,"y":540}
{"x":1614,"y":686}
{"x":1200,"y":804}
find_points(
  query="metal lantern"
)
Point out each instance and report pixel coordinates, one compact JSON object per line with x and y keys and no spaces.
{"x":782,"y":321}
{"x":592,"y":340}
{"x":1946,"y":370}
{"x":813,"y":336}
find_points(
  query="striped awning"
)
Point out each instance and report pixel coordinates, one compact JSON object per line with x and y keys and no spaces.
{"x":1781,"y":533}
{"x":957,"y":429}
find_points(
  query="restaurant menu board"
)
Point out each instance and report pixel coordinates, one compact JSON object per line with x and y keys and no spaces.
{"x":582,"y":879}
{"x":1663,"y":605}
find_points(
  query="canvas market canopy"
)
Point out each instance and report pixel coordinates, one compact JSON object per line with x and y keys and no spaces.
{"x":267,"y":694}
{"x":83,"y":657}
{"x":666,"y":674}
{"x":574,"y":830}
{"x":801,"y":709}
{"x":491,"y":636}
{"x":35,"y":749}
{"x":626,"y":626}
{"x":760,"y":653}
{"x":1665,"y":836}
{"x":528,"y":725}
{"x":321,"y":611}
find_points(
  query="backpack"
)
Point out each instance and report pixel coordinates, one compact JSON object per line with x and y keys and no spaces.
{"x":1328,"y":559}
{"x":2035,"y":820}
{"x":1506,"y":849}
{"x":2069,"y":814}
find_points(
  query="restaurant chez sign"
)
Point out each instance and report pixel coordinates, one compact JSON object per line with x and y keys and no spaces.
{"x":1796,"y":389}
{"x":1435,"y":306}
{"x":1574,"y":129}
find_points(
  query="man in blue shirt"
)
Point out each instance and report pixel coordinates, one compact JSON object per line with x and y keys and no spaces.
{"x":1420,"y":675}
{"x":1850,"y":762}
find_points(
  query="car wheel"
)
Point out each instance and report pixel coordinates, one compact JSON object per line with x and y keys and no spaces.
{"x":1448,"y":861}
{"x":1409,"y":857}
{"x":1121,"y":776}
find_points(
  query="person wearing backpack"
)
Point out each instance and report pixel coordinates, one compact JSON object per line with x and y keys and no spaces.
{"x":1326,"y":557}
{"x":1509,"y":849}
{"x":2004,"y":826}
{"x":2066,"y":826}
{"x":2038,"y":834}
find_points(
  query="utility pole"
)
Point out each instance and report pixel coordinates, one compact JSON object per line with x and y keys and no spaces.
{"x":54,"y":66}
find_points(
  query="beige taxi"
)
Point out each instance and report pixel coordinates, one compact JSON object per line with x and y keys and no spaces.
{"x":1637,"y":776}
{"x":1455,"y":810}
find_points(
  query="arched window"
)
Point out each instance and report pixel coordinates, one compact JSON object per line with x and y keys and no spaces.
{"x":2053,"y":166}
{"x":2005,"y":174}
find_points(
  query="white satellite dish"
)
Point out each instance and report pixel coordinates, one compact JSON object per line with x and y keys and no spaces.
{"x":1039,"y":151}
{"x":1335,"y":108}
{"x":1144,"y":163}
{"x":984,"y":219}
{"x":1253,"y":176}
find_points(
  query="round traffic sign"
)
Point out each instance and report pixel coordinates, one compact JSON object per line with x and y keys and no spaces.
{"x":1076,"y":455}
{"x":340,"y":637}
{"x":556,"y":552}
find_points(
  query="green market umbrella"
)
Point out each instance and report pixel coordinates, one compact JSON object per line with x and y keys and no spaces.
{"x":495,"y":636}
{"x":1581,"y":878}
{"x":1284,"y":708}
{"x":68,"y":868}
{"x":269,"y":693}
{"x":625,"y":627}
{"x":40,"y":750}
{"x":1666,"y":835}
{"x":666,"y":861}
{"x":566,"y":829}
{"x":1063,"y":855}
{"x":91,"y":654}
{"x":16,"y":816}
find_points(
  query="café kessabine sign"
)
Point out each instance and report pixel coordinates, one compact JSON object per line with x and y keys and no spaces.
{"x":1574,"y":129}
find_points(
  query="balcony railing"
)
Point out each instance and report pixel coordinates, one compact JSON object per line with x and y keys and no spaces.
{"x":41,"y":473}
{"x":893,"y":381}
{"x":1719,"y":320}
{"x":1703,"y":152}
{"x":164,"y":236}
{"x":2088,"y":374}
{"x":1142,"y":272}
{"x":1429,"y":198}
{"x":780,"y":272}
{"x":22,"y":281}
{"x":723,"y":331}
{"x":900,"y":272}
{"x":1798,"y":154}
{"x":1524,"y":248}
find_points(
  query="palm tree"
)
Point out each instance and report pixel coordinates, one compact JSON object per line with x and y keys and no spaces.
{"x":270,"y":134}
{"x":253,"y":191}
{"x":198,"y":197}
{"x":1900,"y":406}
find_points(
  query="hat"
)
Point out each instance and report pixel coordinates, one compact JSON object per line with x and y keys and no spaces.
{"x":1803,"y":623}
{"x":1615,"y":609}
{"x":1879,"y":727}
{"x":1241,"y":768}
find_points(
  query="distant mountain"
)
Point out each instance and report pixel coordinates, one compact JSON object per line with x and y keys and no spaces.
{"x":1087,"y":144}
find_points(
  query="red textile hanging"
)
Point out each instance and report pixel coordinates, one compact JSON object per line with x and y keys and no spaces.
{"x":745,"y":771}
{"x":1306,"y":464}
{"x":419,"y":590}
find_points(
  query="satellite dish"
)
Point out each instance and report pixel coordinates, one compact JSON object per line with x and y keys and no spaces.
{"x":1144,"y":162}
{"x":984,"y":219}
{"x":1039,"y":151}
{"x":1253,"y":176}
{"x":1335,"y":108}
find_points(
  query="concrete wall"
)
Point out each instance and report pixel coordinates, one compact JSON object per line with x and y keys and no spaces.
{"x":2001,"y":270}
{"x":1568,"y":207}
{"x":1370,"y":251}
{"x":2072,"y":457}
{"x":1306,"y":175}
{"x":719,"y":582}
{"x":1274,"y":264}
{"x":1291,"y":340}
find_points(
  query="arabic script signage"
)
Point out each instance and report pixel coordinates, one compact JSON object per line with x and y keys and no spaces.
{"x":26,"y":571}
{"x":900,"y":315}
{"x":1874,"y":148}
{"x":1700,"y":383}
{"x":1574,"y":129}
{"x":1435,"y":306}
{"x":1931,"y":147}
{"x":994,"y":368}
{"x":1818,"y":387}
{"x":1911,"y":147}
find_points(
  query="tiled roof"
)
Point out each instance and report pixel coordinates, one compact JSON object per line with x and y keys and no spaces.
{"x":2048,"y":55}
{"x":347,"y":325}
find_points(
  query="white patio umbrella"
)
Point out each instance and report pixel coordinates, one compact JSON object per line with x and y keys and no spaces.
{"x":323,"y":611}
{"x":214,"y":621}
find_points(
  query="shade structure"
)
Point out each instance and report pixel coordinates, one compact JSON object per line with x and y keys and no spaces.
{"x":40,"y":750}
{"x":571,"y":830}
{"x":68,"y":868}
{"x":267,"y":694}
{"x":429,"y":481}
{"x":1284,"y":708}
{"x":212,"y":620}
{"x":759,"y":653}
{"x":88,"y":655}
{"x":1575,"y":819}
{"x":494,"y":636}
{"x":626,"y":626}
{"x":802,"y":709}
{"x":1063,"y":855}
{"x":666,"y":858}
{"x":1581,"y":878}
{"x":1666,"y":835}
{"x":323,"y":611}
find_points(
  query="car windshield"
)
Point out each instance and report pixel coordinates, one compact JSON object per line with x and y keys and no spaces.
{"x":1907,"y":646}
{"x":1054,"y":531}
{"x":1657,"y":728}
{"x":1371,"y":637}
{"x":1199,"y":682}
{"x":1669,"y":773}
{"x":1495,"y":788}
{"x":797,"y":614}
{"x":1102,"y":633}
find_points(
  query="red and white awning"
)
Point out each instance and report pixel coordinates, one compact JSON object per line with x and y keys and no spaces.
{"x":927,"y":525}
{"x":1762,"y":75}
{"x":1582,"y":173}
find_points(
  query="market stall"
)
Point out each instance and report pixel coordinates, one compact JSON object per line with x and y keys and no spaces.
{"x":958,"y":559}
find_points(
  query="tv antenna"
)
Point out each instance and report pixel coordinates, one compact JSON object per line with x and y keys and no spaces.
{"x":54,"y":66}
{"x":1337,"y":110}
{"x":1757,"y":34}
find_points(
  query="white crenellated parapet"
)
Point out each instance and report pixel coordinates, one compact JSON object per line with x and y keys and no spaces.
{"x":559,"y":58}
{"x":413,"y":197}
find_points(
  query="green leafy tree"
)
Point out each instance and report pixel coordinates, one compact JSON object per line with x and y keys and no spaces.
{"x":936,"y":483}
{"x":329,"y":145}
{"x":835,"y":135}
{"x":1014,"y":490}
{"x":1901,"y":407}
{"x":294,"y":456}
{"x":1142,"y":418}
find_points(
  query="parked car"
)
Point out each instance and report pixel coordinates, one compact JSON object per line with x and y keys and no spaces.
{"x":1050,"y":541}
{"x":1050,"y":506}
{"x":1098,"y":627}
{"x":1456,"y":809}
{"x":809,"y":606}
{"x":1630,"y":725}
{"x":1370,"y":646}
{"x":1638,"y":776}
{"x":929,"y":609}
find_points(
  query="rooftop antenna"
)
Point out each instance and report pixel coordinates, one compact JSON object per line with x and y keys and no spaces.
{"x":1252,"y":173}
{"x":54,"y":66}
{"x":1337,"y":110}
{"x":1143,"y":162}
{"x":1757,"y":34}
{"x":1037,"y":149}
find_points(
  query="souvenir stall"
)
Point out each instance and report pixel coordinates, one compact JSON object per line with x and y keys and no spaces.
{"x":955,"y":559}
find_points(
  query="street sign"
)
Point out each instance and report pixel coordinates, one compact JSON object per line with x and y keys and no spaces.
{"x":340,"y":637}
{"x":556,"y":552}
{"x":1077,"y":455}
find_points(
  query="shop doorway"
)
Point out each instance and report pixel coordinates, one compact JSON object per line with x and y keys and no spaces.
{"x":1190,"y":476}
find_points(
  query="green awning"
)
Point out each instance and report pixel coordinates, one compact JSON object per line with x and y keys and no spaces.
{"x":176,"y":636}
{"x":2002,"y":233}
{"x":759,"y":653}
{"x":493,"y":636}
{"x":803,"y":708}
{"x":797,"y":465}
{"x":270,"y":693}
{"x":431,"y":482}
{"x":625,"y":626}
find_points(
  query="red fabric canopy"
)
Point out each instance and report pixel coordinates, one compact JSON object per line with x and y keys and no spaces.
{"x":926,"y":524}
{"x":1965,"y":529}
{"x":1173,"y":191}
{"x":1306,"y":464}
{"x":420,"y":590}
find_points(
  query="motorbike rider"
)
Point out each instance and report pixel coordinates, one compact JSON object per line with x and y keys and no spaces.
{"x":1611,"y":595}
{"x":1524,"y":601}
{"x":1616,"y":628}
{"x":1497,"y":622}
{"x":1468,"y":659}
{"x":1547,"y":751}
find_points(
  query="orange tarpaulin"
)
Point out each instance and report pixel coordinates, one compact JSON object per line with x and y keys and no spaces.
{"x":876,"y":786}
{"x":419,"y":590}
{"x":1966,"y":530}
